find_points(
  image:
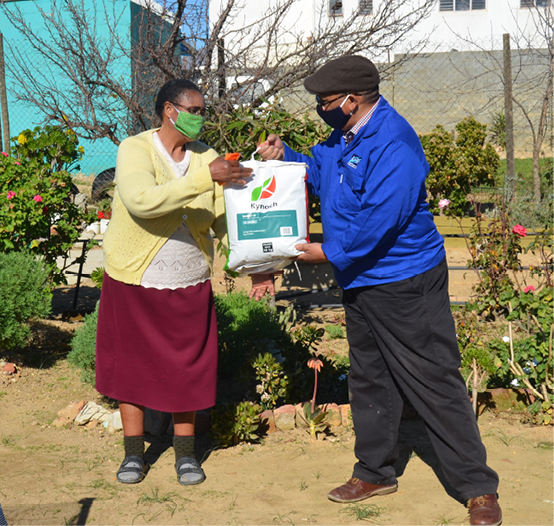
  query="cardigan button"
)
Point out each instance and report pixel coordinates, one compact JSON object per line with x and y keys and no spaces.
{"x":185,"y":217}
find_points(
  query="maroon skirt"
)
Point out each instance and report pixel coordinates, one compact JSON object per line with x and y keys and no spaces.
{"x":157,"y":348}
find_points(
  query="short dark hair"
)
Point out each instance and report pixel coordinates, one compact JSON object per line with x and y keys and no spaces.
{"x":171,"y":91}
{"x":370,"y":96}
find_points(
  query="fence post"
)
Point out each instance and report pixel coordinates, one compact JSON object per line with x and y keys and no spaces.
{"x":510,"y":181}
{"x":4,"y":100}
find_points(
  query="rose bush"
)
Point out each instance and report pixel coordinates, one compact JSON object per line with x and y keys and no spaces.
{"x":36,"y":208}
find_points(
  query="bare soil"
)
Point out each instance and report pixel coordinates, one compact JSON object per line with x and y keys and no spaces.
{"x":66,"y":475}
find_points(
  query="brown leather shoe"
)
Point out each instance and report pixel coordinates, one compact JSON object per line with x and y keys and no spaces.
{"x":484,"y":510}
{"x":356,"y":489}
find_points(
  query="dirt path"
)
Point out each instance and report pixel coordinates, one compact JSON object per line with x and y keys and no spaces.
{"x":67,"y":476}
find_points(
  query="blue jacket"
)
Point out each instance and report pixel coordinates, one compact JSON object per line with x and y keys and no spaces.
{"x":377,"y":227}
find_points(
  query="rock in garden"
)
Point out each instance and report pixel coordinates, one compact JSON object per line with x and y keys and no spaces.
{"x":92,"y":411}
{"x":299,"y":416}
{"x":70,"y":412}
{"x":267,"y":420}
{"x":9,"y":369}
{"x":284,"y":417}
{"x":334,"y":417}
{"x":114,"y":423}
{"x":80,"y":200}
{"x":346,"y":417}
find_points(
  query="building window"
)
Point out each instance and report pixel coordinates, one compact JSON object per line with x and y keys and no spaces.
{"x":526,"y":4}
{"x":464,"y":5}
{"x":335,"y":8}
{"x":366,"y":7}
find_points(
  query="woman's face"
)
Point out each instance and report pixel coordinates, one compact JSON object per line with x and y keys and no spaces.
{"x":189,"y":101}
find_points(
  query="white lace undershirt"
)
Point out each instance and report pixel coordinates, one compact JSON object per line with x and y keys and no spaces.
{"x":180,"y":262}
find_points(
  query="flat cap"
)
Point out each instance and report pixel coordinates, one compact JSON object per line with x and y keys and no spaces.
{"x":347,"y":73}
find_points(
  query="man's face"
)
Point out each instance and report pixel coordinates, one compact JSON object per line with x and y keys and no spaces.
{"x":329,"y":101}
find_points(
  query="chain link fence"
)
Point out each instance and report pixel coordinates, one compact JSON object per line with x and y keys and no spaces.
{"x":448,"y":86}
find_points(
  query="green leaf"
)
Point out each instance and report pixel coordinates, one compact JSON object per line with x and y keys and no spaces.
{"x":256,"y":193}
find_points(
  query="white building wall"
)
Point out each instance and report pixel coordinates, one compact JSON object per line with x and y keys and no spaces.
{"x":441,"y":28}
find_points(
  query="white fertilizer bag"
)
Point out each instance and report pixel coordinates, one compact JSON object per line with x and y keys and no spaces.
{"x":267,"y":217}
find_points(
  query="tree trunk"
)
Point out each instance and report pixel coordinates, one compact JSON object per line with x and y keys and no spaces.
{"x":536,"y":173}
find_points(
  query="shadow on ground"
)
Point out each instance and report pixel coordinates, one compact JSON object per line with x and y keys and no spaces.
{"x":414,"y":440}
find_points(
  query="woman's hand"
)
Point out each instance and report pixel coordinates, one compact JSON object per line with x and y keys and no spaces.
{"x":311,"y":253}
{"x":229,"y":171}
{"x":261,"y":284}
{"x":272,"y":148}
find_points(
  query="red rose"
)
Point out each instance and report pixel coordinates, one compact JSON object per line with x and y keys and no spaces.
{"x":519,"y":230}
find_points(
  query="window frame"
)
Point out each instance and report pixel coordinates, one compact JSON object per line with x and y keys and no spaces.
{"x":335,"y":12}
{"x":365,"y":7}
{"x":454,"y":3}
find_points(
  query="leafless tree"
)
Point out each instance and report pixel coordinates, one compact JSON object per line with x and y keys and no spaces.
{"x":532,"y":78}
{"x":102,"y":84}
{"x":544,"y":22}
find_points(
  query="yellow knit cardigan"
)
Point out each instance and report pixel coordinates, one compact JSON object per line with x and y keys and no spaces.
{"x":150,"y":202}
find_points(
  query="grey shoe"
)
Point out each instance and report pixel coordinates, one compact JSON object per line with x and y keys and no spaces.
{"x":132,"y":470}
{"x":189,"y":471}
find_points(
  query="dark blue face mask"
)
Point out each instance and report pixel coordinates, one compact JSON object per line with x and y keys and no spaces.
{"x":335,"y":118}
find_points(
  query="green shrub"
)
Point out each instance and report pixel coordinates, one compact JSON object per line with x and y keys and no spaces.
{"x":272,"y":382}
{"x":24,"y":295}
{"x":36,"y":209}
{"x":83,"y":353}
{"x":459,"y":161}
{"x":248,"y":328}
{"x":335,"y":332}
{"x":245,"y":328}
{"x":235,"y":423}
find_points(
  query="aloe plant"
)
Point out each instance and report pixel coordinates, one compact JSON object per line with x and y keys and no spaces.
{"x":314,"y":419}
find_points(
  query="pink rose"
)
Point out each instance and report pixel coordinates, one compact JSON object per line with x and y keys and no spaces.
{"x":519,"y":230}
{"x":18,"y":163}
{"x":11,"y":194}
{"x":37,"y":198}
{"x":530,"y":288}
{"x":444,"y":203}
{"x":4,"y":154}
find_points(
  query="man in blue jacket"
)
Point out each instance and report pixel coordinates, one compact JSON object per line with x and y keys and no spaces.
{"x":389,"y":258}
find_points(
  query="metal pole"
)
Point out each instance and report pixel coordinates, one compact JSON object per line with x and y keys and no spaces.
{"x":4,"y":100}
{"x":510,"y":182}
{"x":221,"y":68}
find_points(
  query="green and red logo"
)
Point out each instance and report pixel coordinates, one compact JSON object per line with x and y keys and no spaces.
{"x":265,"y":191}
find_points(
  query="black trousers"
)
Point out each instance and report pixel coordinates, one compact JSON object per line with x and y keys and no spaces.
{"x":402,"y":337}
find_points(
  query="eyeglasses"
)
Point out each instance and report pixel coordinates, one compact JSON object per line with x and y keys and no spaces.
{"x":194,"y":110}
{"x":321,"y":102}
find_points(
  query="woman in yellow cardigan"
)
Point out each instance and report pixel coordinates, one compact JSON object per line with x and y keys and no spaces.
{"x":157,"y":334}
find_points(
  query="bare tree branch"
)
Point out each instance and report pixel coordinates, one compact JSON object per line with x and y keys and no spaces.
{"x":103,"y":84}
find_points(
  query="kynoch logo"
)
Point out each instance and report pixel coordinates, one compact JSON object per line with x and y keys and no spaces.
{"x":264,"y":192}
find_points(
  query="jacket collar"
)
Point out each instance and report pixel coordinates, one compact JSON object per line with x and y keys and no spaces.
{"x":374,"y":124}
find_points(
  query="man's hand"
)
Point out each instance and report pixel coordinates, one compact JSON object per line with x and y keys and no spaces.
{"x":272,"y":148}
{"x":311,"y":253}
{"x":223,"y":171}
{"x":261,"y":284}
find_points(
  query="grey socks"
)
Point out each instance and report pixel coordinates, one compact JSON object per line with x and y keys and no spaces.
{"x":134,"y":446}
{"x":184,"y":446}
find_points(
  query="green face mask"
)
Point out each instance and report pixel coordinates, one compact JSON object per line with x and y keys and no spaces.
{"x":188,"y":124}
